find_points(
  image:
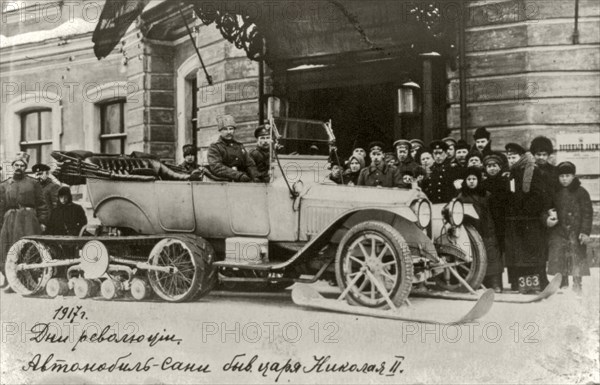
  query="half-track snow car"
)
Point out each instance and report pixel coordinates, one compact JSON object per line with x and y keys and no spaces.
{"x":176,"y":235}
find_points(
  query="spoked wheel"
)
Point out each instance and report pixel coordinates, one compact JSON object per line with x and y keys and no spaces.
{"x":187,"y":269}
{"x":375,"y":262}
{"x":473,"y":272}
{"x":22,"y":279}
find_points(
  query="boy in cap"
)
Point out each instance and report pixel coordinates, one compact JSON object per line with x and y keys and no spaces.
{"x":49,"y":188}
{"x":406,"y":163}
{"x":379,"y":174}
{"x":525,"y":241}
{"x":571,"y":227}
{"x":227,"y":158}
{"x":415,"y":145}
{"x":261,"y":153}
{"x":22,"y":207}
{"x":439,"y":187}
{"x":451,"y":142}
{"x":189,"y":163}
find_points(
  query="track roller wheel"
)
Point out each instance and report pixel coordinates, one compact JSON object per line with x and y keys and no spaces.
{"x":140,"y":289}
{"x":85,"y":288}
{"x":57,"y":287}
{"x":111,"y":289}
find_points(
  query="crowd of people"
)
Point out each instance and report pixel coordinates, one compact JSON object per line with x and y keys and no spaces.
{"x":535,"y":218}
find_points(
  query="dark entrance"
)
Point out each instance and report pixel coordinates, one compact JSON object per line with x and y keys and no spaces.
{"x":360,"y":114}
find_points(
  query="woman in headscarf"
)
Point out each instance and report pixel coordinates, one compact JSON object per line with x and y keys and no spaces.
{"x":473,"y":192}
{"x":67,"y":218}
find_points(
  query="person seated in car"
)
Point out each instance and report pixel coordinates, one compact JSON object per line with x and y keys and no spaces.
{"x":379,"y":174}
{"x":261,"y":153}
{"x":406,"y":163}
{"x":227,"y":158}
{"x":415,"y":145}
{"x":189,"y":163}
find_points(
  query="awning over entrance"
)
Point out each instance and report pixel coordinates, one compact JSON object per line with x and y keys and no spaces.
{"x":289,"y":33}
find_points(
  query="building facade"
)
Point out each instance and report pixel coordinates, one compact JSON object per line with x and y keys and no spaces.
{"x":526,"y":75}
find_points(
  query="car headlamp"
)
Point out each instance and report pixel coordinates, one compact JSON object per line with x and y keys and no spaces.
{"x":422,"y":209}
{"x":457,"y":212}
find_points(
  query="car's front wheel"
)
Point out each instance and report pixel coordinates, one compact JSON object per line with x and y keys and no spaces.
{"x":373,"y":262}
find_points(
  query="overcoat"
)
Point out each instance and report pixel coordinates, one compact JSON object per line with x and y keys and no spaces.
{"x":526,"y":208}
{"x":22,"y":210}
{"x":574,"y":208}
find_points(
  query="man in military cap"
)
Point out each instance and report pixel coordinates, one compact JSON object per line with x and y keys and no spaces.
{"x":406,"y":163}
{"x":415,"y":144}
{"x":261,"y":153}
{"x":49,"y":188}
{"x":227,"y":158}
{"x":451,"y":142}
{"x":189,"y":158}
{"x":379,"y":174}
{"x":22,"y":207}
{"x":439,"y":187}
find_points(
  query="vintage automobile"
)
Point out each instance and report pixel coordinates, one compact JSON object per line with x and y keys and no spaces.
{"x":176,"y":234}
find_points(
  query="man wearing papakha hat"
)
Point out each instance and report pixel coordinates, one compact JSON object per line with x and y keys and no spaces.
{"x":439,"y":187}
{"x":405,"y":163}
{"x":49,"y":188}
{"x":261,"y":153}
{"x":227,"y":158}
{"x":189,"y":163}
{"x":379,"y":174}
{"x":22,"y":207}
{"x":541,"y":148}
{"x":525,"y":241}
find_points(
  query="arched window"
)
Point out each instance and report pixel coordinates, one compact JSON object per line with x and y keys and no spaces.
{"x":36,"y":134}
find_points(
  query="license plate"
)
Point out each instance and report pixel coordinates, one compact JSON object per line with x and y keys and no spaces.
{"x":529,"y":283}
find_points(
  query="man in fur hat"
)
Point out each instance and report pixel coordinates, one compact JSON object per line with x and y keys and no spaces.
{"x":483,"y":143}
{"x":227,"y":158}
{"x":22,"y":207}
{"x":541,"y":148}
{"x":525,"y":241}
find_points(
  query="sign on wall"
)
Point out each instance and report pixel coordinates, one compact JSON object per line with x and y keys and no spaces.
{"x":583,"y":150}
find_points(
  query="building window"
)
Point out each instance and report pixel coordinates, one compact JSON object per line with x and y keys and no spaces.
{"x":36,"y":135}
{"x":112,"y":127}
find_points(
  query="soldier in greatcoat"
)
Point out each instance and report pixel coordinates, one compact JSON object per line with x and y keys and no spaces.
{"x":378,"y":173}
{"x":227,"y":158}
{"x":22,"y":207}
{"x":526,"y":213}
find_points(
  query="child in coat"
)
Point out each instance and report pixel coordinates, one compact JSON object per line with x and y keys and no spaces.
{"x":571,"y":227}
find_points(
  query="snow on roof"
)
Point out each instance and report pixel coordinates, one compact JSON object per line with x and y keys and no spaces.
{"x":69,"y":28}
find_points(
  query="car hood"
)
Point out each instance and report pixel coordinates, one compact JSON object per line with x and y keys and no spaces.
{"x":352,"y":197}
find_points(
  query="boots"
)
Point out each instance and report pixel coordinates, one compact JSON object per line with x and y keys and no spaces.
{"x":565,"y":281}
{"x":496,"y":283}
{"x":577,"y":285}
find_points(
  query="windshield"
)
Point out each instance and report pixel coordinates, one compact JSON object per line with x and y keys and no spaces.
{"x":303,"y":136}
